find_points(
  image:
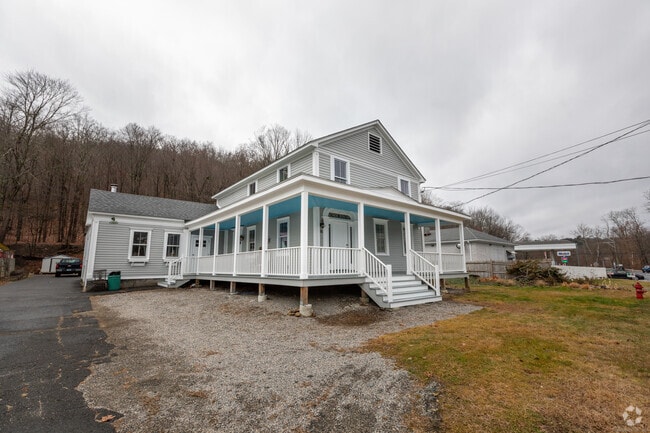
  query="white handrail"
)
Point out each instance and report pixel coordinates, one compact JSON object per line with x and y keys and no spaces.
{"x":174,"y":270}
{"x":379,"y":273}
{"x":425,"y":271}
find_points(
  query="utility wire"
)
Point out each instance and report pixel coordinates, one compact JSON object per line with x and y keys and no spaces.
{"x":507,"y":169}
{"x":604,"y":182}
{"x":642,"y":125}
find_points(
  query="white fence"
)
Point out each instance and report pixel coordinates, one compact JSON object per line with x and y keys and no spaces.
{"x":333,"y":261}
{"x":249,"y":263}
{"x":451,"y":262}
{"x":283,"y":261}
{"x":573,"y":272}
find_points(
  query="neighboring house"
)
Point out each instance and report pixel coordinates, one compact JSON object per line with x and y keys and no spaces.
{"x":342,"y":209}
{"x":479,"y":246}
{"x":548,"y":250}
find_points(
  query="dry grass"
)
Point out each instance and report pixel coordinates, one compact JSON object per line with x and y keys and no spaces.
{"x":549,"y":359}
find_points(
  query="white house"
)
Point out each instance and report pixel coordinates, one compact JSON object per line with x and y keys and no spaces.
{"x":478,"y":246}
{"x":342,"y":209}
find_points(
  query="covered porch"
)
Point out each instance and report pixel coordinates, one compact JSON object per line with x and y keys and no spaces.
{"x":315,"y":233}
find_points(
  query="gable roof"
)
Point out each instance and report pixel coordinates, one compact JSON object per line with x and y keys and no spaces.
{"x":315,"y":143}
{"x":472,"y":235}
{"x":142,"y":205}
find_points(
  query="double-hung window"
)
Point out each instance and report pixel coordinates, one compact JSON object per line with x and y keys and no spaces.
{"x":139,"y":243}
{"x":340,"y":170}
{"x":252,"y":188}
{"x":251,"y":238}
{"x":283,"y":173}
{"x":381,"y":237}
{"x":172,"y":245}
{"x":404,"y":186}
{"x":283,"y":233}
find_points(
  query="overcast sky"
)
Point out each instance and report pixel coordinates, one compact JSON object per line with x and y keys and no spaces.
{"x":464,"y":87}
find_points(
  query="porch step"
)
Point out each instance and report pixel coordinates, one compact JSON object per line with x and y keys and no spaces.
{"x":175,"y":285}
{"x":407,"y":290}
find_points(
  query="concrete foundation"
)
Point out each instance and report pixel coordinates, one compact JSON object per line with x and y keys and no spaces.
{"x":306,"y":310}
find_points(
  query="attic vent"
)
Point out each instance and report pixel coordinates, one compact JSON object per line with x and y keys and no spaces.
{"x":374,"y":143}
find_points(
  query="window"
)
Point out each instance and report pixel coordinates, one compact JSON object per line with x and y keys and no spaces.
{"x":172,"y":245}
{"x":340,"y":171}
{"x":139,"y":245}
{"x":252,"y":188}
{"x":283,"y":233}
{"x":251,"y":238}
{"x":283,"y":174}
{"x":374,"y":143}
{"x":404,"y":186}
{"x":381,"y":237}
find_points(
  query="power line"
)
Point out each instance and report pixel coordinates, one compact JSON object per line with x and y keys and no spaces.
{"x":642,"y":125}
{"x":507,"y":169}
{"x":603,"y":182}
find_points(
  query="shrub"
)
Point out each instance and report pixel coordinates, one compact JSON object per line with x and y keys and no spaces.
{"x":529,"y":272}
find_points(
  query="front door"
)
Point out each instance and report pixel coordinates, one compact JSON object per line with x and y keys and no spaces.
{"x":339,"y":234}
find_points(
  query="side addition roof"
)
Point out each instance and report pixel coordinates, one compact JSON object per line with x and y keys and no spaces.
{"x":472,"y":235}
{"x":146,"y":206}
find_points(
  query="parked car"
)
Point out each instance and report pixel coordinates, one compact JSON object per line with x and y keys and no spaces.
{"x":620,"y":272}
{"x":646,"y":269}
{"x":68,"y":267}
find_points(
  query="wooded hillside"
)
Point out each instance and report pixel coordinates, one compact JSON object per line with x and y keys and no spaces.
{"x":52,"y":153}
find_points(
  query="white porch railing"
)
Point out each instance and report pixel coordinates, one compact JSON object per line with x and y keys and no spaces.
{"x":283,"y":261}
{"x":204,"y":265}
{"x":379,"y":273}
{"x":249,"y":263}
{"x":224,"y":263}
{"x":451,"y":262}
{"x":174,"y":270}
{"x":325,"y":261}
{"x":191,"y":265}
{"x":425,"y":271}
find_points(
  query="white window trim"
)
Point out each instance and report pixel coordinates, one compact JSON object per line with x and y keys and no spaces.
{"x":347,"y":168}
{"x":288,"y":167}
{"x":180,"y":244}
{"x":248,"y":188}
{"x":280,"y":221}
{"x":381,"y":143}
{"x":138,"y":259}
{"x":250,"y":229}
{"x":399,"y":185}
{"x":376,"y":222}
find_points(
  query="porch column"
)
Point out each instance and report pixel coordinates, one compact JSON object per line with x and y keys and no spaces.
{"x":216,"y":248}
{"x":407,"y":241}
{"x":462,"y":244}
{"x":439,"y":245}
{"x":265,"y":239}
{"x":304,"y":234}
{"x":361,"y":237}
{"x":235,"y":249}
{"x":200,"y":250}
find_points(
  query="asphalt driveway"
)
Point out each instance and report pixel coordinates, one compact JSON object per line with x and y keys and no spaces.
{"x":47,"y":344}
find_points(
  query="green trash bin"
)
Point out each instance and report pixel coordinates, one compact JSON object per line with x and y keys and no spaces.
{"x":114,"y":280}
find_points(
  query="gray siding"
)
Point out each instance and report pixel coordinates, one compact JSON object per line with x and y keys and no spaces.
{"x":324,"y":164}
{"x":113,"y":250}
{"x":365,"y":177}
{"x":355,"y":147}
{"x":395,"y":246}
{"x":233,"y":197}
{"x":302,"y":165}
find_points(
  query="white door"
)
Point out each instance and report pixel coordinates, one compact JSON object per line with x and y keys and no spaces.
{"x":339,"y":234}
{"x":194,"y":246}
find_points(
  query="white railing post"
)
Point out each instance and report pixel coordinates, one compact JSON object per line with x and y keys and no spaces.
{"x":216,"y":248}
{"x":389,"y":282}
{"x":361,"y":237}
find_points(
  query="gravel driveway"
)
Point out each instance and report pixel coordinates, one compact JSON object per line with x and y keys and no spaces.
{"x":206,"y":361}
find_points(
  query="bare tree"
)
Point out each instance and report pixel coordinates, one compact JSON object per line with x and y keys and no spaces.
{"x":31,"y":104}
{"x":485,"y":219}
{"x":273,"y":142}
{"x":433,"y":200}
{"x":633,"y":236}
{"x":647,"y":200}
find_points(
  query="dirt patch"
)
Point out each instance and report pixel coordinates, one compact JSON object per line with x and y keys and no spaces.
{"x":361,"y":316}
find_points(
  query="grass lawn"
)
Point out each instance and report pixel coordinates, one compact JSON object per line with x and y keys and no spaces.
{"x":534,"y":359}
